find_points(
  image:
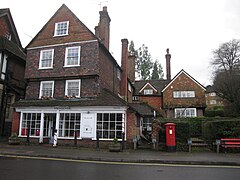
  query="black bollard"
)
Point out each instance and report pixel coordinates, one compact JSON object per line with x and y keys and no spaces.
{"x":123,"y":142}
{"x":75,"y":138}
{"x":28,"y":134}
{"x":97,"y":145}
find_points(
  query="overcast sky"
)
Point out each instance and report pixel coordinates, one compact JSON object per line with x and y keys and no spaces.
{"x":191,"y":29}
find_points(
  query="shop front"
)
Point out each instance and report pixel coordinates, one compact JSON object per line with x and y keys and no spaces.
{"x":72,"y":122}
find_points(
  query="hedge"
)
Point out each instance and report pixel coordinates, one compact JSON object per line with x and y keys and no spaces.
{"x":221,"y":128}
{"x":207,"y":128}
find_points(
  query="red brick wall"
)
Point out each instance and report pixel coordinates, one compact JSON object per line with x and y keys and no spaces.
{"x":15,"y":122}
{"x":77,"y":30}
{"x":133,"y":128}
{"x":153,"y":101}
{"x":3,"y":26}
{"x":108,"y":72}
{"x":89,"y":88}
{"x":88,"y":62}
{"x":184,"y":83}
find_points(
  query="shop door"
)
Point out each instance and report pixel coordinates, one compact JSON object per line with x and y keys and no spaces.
{"x":49,"y":126}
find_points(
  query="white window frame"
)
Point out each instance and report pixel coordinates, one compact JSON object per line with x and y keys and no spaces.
{"x":183,"y":94}
{"x":135,"y":98}
{"x":41,"y":59}
{"x":79,"y":87}
{"x":31,"y":120}
{"x":66,"y":56}
{"x":110,"y":127}
{"x":3,"y":66}
{"x":212,"y":94}
{"x":41,"y":86}
{"x":74,"y":125}
{"x":129,"y":87}
{"x":213,"y":102}
{"x":148,"y":91}
{"x":8,"y":36}
{"x":185,"y":112}
{"x":118,"y":74}
{"x":56,"y":28}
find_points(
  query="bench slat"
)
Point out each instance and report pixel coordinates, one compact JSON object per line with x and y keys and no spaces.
{"x":230,"y":142}
{"x":233,"y":143}
{"x":230,"y":139}
{"x":231,"y":146}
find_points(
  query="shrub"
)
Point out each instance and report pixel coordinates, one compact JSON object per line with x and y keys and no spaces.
{"x":214,"y":113}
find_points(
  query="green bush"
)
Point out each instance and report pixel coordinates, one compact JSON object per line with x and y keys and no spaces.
{"x":207,"y":128}
{"x":214,"y":113}
{"x":221,"y":128}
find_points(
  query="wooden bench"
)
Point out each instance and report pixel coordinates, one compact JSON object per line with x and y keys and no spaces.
{"x":229,"y":143}
{"x":195,"y":142}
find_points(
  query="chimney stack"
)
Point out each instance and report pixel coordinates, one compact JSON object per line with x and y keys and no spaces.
{"x":168,"y":65}
{"x":131,"y":67}
{"x":102,"y":31}
{"x":124,"y":65}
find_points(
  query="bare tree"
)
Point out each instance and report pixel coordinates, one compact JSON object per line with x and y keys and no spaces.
{"x":226,"y":60}
{"x":227,"y":56}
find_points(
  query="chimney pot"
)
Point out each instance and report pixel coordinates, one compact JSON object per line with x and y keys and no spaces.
{"x":104,"y":8}
{"x":124,"y":65}
{"x":168,"y":65}
{"x":102,"y":31}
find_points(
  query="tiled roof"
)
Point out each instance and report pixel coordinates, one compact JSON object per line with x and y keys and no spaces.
{"x":210,"y":89}
{"x":105,"y":98}
{"x":188,"y":75}
{"x":143,"y":109}
{"x":157,"y":84}
{"x":12,"y":47}
{"x":3,"y":11}
{"x":6,"y":12}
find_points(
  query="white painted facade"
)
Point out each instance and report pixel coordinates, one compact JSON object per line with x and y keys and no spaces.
{"x":110,"y":122}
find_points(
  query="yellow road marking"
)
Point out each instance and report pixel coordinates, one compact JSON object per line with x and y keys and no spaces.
{"x":121,"y":163}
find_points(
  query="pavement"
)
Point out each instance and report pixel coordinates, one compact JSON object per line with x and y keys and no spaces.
{"x":129,"y":155}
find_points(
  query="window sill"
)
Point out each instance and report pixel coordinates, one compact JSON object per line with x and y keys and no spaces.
{"x":71,"y":66}
{"x":61,"y":35}
{"x":48,"y":68}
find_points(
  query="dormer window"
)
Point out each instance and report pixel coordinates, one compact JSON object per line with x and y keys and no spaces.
{"x":8,"y":36}
{"x":61,"y":28}
{"x":148,"y":91}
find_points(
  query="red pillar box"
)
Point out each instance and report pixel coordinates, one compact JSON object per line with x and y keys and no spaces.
{"x":170,"y":137}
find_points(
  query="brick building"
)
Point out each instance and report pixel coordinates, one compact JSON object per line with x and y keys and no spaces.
{"x":212,"y":99}
{"x":75,"y":85}
{"x":181,"y":96}
{"x":12,"y":65}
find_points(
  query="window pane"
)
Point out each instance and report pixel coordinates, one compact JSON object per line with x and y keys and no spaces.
{"x":72,"y":56}
{"x":73,"y":88}
{"x":61,"y":28}
{"x":31,"y":123}
{"x":109,"y":125}
{"x":183,"y":94}
{"x":69,"y":124}
{"x":46,"y":58}
{"x":47,"y":88}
